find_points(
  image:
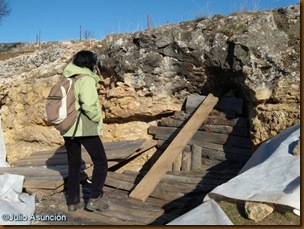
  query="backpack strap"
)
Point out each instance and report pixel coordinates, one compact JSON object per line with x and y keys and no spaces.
{"x":78,"y":76}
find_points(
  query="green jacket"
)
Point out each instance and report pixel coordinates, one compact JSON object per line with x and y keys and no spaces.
{"x":90,"y":123}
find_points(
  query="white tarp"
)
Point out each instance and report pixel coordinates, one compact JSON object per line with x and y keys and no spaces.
{"x":3,"y":162}
{"x":208,"y":213}
{"x":16,"y":207}
{"x":271,"y":175}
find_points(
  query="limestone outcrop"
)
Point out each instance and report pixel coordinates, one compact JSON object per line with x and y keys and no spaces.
{"x":148,"y":74}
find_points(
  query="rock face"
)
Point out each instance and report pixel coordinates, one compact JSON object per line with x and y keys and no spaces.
{"x":148,"y":74}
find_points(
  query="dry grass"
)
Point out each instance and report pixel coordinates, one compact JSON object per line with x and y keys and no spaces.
{"x":282,"y":215}
{"x":8,"y":55}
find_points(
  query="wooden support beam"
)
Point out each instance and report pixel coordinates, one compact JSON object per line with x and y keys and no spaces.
{"x":196,"y":157}
{"x":150,"y":181}
{"x":177,"y":164}
{"x":186,"y":160}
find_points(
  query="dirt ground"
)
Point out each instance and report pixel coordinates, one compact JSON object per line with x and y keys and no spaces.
{"x":282,"y":215}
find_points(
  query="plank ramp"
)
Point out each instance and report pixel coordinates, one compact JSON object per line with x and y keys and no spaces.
{"x":150,"y":181}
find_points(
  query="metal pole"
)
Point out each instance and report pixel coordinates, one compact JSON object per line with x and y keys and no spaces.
{"x":80,"y":32}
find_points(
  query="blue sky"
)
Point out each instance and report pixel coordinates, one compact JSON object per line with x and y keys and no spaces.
{"x":61,"y":19}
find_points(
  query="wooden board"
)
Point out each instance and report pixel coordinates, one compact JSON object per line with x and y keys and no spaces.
{"x":47,"y":170}
{"x":177,"y":164}
{"x":114,"y":151}
{"x":33,"y":171}
{"x":186,"y":160}
{"x":216,"y":118}
{"x":149,"y":182}
{"x":223,"y":156}
{"x":224,"y":104}
{"x":217,"y":128}
{"x":147,"y":145}
{"x":168,"y":133}
{"x":209,"y":145}
{"x":196,"y":157}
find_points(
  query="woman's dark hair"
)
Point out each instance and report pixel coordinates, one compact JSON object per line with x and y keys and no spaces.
{"x":85,"y":59}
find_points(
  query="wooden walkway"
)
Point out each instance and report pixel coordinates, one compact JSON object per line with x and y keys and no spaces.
{"x":175,"y":194}
{"x":212,"y":155}
{"x":45,"y":172}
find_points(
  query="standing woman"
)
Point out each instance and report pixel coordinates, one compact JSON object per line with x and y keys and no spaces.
{"x":86,"y":131}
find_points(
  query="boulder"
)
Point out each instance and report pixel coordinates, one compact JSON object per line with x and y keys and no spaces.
{"x":257,"y":211}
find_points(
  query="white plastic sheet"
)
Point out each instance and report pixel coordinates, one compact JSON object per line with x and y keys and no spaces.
{"x":16,"y":207}
{"x":271,"y":175}
{"x":208,"y":213}
{"x":3,"y":162}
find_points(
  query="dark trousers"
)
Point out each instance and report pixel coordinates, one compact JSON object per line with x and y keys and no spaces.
{"x":94,"y":146}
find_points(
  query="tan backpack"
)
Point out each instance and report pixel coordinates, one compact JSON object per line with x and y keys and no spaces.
{"x":60,"y":104}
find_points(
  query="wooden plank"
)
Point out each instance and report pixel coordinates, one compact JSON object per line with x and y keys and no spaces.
{"x":170,"y":168}
{"x":128,"y":184}
{"x":124,"y":199}
{"x":49,"y":178}
{"x":168,"y":133}
{"x":179,"y":178}
{"x":223,"y":129}
{"x":149,"y":144}
{"x":32,"y":171}
{"x":186,"y":160}
{"x":108,"y":146}
{"x":166,"y":186}
{"x":114,"y":151}
{"x":227,"y":148}
{"x":211,"y":162}
{"x":215,"y":118}
{"x":117,"y":218}
{"x":209,"y":145}
{"x":123,"y":216}
{"x":49,"y":162}
{"x":221,"y":177}
{"x":177,"y":164}
{"x":223,"y":156}
{"x":238,"y":131}
{"x":39,"y":193}
{"x":224,"y":103}
{"x":162,"y":145}
{"x":140,"y":213}
{"x":42,"y":184}
{"x":236,"y":122}
{"x":149,"y":182}
{"x":50,"y":158}
{"x":196,"y":161}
